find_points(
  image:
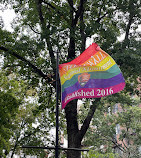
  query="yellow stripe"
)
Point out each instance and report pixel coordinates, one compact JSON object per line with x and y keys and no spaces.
{"x":104,"y":65}
{"x":107,"y":63}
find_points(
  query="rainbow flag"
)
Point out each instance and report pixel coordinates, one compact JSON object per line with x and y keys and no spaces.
{"x":93,"y":74}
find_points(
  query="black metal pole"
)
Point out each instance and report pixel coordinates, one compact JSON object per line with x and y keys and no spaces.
{"x":57,"y":109}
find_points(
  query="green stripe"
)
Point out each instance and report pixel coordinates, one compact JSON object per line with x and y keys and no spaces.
{"x":113,"y":71}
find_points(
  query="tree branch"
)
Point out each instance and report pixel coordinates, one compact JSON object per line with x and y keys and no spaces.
{"x":34,"y":30}
{"x":74,"y":20}
{"x":130,"y":22}
{"x":99,"y":14}
{"x":99,"y":18}
{"x":45,"y":31}
{"x":82,"y":31}
{"x":79,"y":11}
{"x":88,"y":119}
{"x":26,"y":62}
{"x":126,"y":39}
{"x":128,"y":27}
{"x":71,"y":5}
{"x":15,"y":146}
{"x":115,"y":143}
{"x":53,"y":7}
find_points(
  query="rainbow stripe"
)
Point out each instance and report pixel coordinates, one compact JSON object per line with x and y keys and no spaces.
{"x":93,"y":74}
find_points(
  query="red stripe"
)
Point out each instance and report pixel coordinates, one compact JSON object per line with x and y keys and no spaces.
{"x":91,"y":50}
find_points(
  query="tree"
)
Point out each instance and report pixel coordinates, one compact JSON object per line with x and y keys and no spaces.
{"x":115,"y":128}
{"x":9,"y":106}
{"x":130,"y":133}
{"x":44,"y":26}
{"x":18,"y":113}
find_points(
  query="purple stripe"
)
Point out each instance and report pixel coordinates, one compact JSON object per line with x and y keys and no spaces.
{"x":95,"y":83}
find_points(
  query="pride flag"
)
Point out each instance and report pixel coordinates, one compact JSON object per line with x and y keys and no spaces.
{"x":93,"y":74}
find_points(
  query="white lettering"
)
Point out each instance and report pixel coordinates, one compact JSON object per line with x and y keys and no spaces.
{"x":106,"y":64}
{"x":95,"y":61}
{"x":90,"y":63}
{"x":98,"y":58}
{"x":82,"y":93}
{"x":88,"y":93}
{"x":102,"y":55}
{"x":92,"y":93}
{"x":79,"y":94}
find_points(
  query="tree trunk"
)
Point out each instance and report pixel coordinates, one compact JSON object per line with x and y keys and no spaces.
{"x":75,"y":135}
{"x":72,"y":130}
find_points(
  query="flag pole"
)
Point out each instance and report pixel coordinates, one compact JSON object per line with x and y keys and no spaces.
{"x":57,"y":109}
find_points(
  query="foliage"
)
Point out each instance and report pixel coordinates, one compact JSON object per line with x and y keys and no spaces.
{"x":43,"y":27}
{"x":9,"y":104}
{"x":115,"y":129}
{"x":19,"y":126}
{"x":95,"y":154}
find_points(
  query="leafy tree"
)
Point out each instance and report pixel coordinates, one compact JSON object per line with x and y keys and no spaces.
{"x":17,"y":115}
{"x":131,"y":131}
{"x":8,"y":107}
{"x":7,"y":110}
{"x":43,"y":27}
{"x":105,"y":137}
